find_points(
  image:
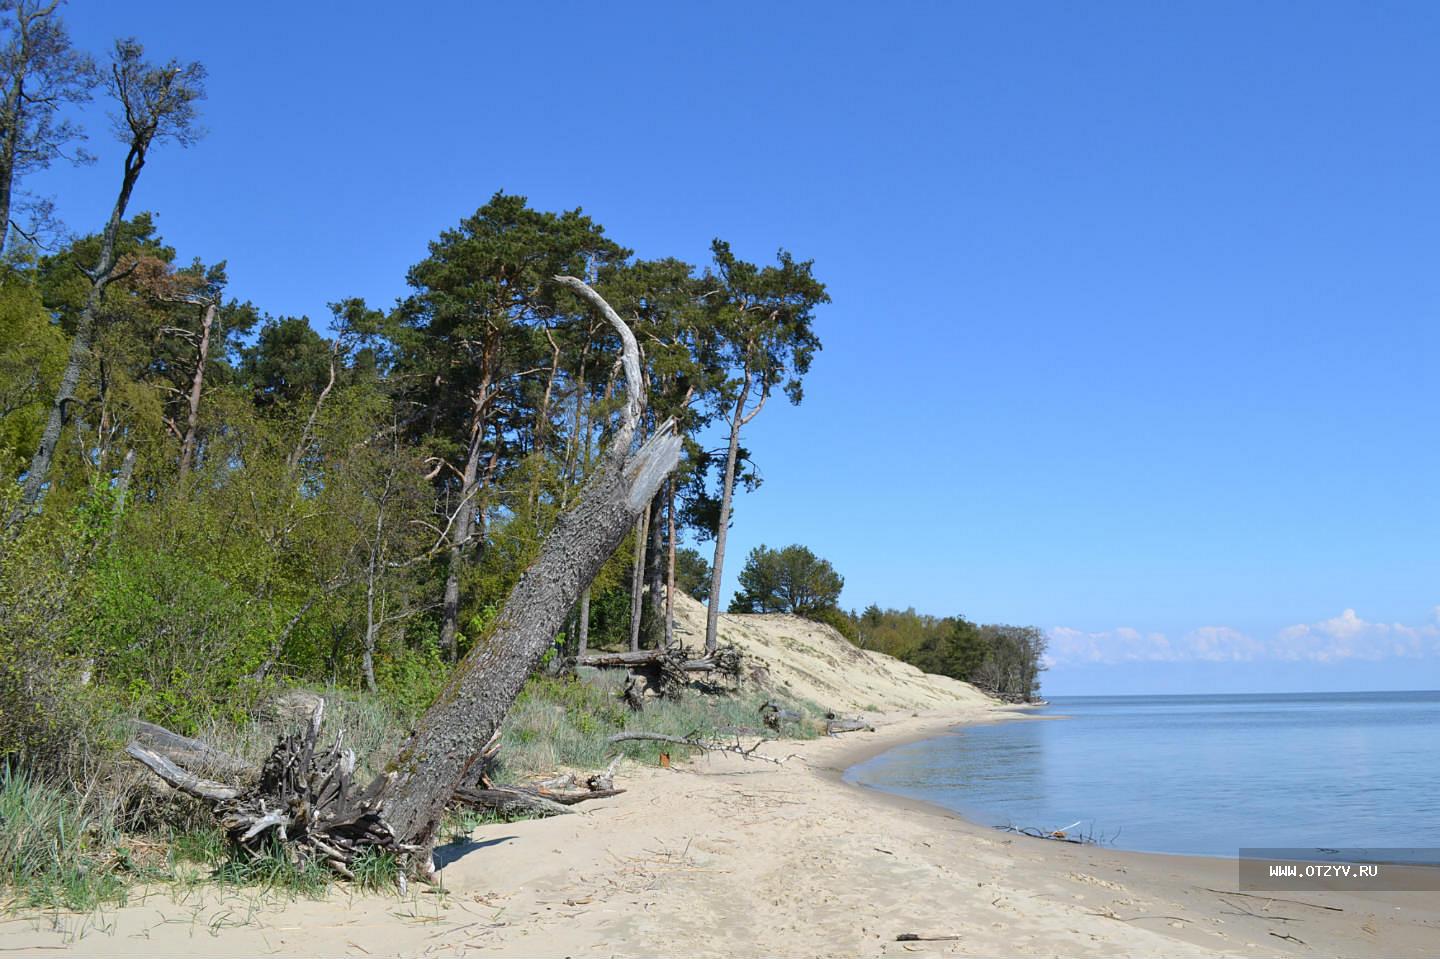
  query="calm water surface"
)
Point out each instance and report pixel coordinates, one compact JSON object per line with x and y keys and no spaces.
{"x":1194,"y":774}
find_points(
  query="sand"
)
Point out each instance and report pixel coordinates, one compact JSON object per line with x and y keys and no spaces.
{"x":722,"y":857}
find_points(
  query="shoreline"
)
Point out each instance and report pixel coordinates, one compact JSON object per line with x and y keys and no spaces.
{"x":721,"y":856}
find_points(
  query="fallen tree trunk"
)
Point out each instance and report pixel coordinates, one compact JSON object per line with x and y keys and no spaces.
{"x":190,"y":753}
{"x":774,"y":715}
{"x":661,"y":670}
{"x":400,"y":810}
{"x":480,"y":692}
{"x":836,"y":726}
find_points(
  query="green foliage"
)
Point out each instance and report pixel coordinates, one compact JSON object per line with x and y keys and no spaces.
{"x":789,"y":580}
{"x":692,"y":573}
{"x":32,"y":352}
{"x":411,"y":678}
{"x":176,"y":640}
{"x":1003,"y":660}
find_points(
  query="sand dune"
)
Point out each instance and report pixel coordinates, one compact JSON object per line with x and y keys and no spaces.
{"x":813,"y":661}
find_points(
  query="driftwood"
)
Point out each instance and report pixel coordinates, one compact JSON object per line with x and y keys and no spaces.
{"x":634,"y":693}
{"x":1063,"y":834}
{"x":773,"y":715}
{"x":835,"y":724}
{"x":661,"y":671}
{"x":549,"y":797}
{"x":187,"y":752}
{"x":305,"y":798}
{"x":695,"y":742}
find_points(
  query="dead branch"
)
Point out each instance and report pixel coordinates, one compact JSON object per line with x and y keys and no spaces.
{"x":184,"y":751}
{"x":183,"y":780}
{"x":1293,"y":902}
{"x":693,"y":741}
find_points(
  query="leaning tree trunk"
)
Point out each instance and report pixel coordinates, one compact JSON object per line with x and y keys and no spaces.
{"x":307,"y":796}
{"x":197,"y":388}
{"x":452,"y":733}
{"x":37,"y":476}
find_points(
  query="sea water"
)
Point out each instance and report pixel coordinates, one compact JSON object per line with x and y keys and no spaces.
{"x":1203,"y":775}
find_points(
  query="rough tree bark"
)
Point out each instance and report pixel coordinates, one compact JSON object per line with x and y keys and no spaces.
{"x":654,"y":624}
{"x":480,"y":692}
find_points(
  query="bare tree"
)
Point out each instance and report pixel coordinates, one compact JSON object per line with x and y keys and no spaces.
{"x":40,"y":73}
{"x":156,"y":103}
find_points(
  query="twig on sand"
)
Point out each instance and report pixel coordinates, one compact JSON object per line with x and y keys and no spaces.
{"x":917,"y":937}
{"x":1256,"y":915}
{"x":1293,"y":902}
{"x":1110,"y":915}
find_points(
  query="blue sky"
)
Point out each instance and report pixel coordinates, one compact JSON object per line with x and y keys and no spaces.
{"x":1134,"y":325}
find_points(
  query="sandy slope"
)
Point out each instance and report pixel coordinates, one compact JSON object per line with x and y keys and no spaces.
{"x":813,"y":661}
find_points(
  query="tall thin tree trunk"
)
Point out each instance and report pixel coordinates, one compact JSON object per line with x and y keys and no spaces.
{"x":670,"y":565}
{"x":727,"y":494}
{"x":122,"y":480}
{"x":654,"y":622}
{"x":367,"y":658}
{"x":584,"y":623}
{"x":637,"y":577}
{"x":9,"y":147}
{"x":727,"y":490}
{"x":197,"y":384}
{"x":464,"y":525}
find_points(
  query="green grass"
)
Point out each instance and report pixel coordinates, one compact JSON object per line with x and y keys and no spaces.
{"x":55,"y":851}
{"x":274,"y":871}
{"x":566,"y":723}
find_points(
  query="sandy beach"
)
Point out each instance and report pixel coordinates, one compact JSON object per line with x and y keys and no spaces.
{"x":722,"y":856}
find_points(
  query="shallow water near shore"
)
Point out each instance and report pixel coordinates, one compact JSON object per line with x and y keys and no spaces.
{"x":1199,"y":775}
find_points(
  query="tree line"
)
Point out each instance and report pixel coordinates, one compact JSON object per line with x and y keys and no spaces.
{"x":205,"y":496}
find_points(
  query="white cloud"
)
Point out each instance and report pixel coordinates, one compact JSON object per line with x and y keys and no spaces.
{"x":1347,"y":636}
{"x":1343,"y":637}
